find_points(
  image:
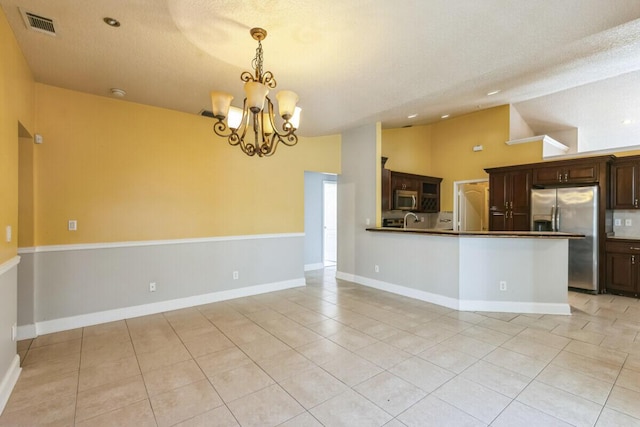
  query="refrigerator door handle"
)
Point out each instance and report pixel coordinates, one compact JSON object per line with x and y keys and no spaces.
{"x":557,"y":219}
{"x":553,"y":218}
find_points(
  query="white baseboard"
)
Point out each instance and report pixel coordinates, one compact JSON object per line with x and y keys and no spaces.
{"x":515,"y":307}
{"x":316,"y":266}
{"x":80,"y":321}
{"x":9,"y":381}
{"x":345,"y":276}
{"x":408,"y":292}
{"x":456,"y":304}
{"x":25,"y":332}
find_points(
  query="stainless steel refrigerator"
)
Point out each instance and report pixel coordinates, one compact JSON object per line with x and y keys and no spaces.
{"x":573,"y":210}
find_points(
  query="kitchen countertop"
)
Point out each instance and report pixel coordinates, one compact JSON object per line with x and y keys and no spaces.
{"x":440,"y":232}
{"x":623,"y":237}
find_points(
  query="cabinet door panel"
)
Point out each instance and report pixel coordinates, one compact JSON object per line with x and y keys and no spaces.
{"x":400,"y":181}
{"x":621,"y":272}
{"x":497,"y":221}
{"x":550,"y":175}
{"x":519,"y":221}
{"x":497,"y":191}
{"x":571,"y":174}
{"x":623,"y":185}
{"x":387,"y":196}
{"x":582,"y":173}
{"x":520,"y":191}
{"x":509,"y":195}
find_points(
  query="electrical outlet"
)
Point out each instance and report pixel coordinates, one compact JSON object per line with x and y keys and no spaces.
{"x":628,"y":222}
{"x":376,"y":268}
{"x":503,"y":285}
{"x":152,"y":287}
{"x":236,"y":275}
{"x":617,"y":222}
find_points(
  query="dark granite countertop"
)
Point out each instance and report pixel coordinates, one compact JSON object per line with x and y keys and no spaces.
{"x":512,"y":234}
{"x":633,"y":238}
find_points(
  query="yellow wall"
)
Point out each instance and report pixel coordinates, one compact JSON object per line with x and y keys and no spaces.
{"x":16,"y":106}
{"x":453,"y":142}
{"x":130,"y":172}
{"x":445,"y":149}
{"x":408,"y":149}
{"x":25,"y":193}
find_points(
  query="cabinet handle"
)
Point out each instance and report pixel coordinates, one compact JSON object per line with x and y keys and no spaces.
{"x":633,"y":248}
{"x":559,"y":176}
{"x":635,"y":203}
{"x":633,"y":259}
{"x":510,"y":205}
{"x":566,"y":177}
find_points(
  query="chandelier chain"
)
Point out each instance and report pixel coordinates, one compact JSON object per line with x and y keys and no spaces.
{"x":257,"y":62}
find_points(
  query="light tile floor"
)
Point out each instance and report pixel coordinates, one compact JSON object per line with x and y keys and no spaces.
{"x":338,"y":354}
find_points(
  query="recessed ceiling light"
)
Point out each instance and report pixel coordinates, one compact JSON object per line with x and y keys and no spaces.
{"x":112,"y":22}
{"x":412,"y":116}
{"x":493,"y":92}
{"x":444,"y":116}
{"x":627,"y":121}
{"x":118,"y":92}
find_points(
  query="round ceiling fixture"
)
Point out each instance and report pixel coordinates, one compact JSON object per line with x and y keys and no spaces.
{"x":118,"y":92}
{"x":112,"y":22}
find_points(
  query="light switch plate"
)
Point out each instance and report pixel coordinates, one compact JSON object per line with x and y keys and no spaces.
{"x":73,"y":225}
{"x":8,"y":234}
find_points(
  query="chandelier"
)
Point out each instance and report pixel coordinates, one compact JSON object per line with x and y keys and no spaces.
{"x":255,"y":117}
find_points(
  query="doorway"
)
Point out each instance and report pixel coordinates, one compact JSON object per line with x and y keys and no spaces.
{"x":471,"y":205}
{"x":330,"y":223}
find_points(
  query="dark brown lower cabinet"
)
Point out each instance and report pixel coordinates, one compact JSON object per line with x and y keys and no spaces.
{"x":623,"y":267}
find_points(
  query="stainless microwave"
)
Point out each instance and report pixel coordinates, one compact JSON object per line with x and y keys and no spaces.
{"x":405,"y":200}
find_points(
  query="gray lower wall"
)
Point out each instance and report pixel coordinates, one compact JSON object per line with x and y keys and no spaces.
{"x":466,"y":271}
{"x":8,"y":315}
{"x":69,"y":283}
{"x":26,"y":290}
{"x":424,"y":263}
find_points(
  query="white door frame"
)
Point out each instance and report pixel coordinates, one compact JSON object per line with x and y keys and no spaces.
{"x":326,"y":183}
{"x":456,"y":189}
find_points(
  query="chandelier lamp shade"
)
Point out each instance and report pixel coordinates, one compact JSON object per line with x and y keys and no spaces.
{"x":257,"y":115}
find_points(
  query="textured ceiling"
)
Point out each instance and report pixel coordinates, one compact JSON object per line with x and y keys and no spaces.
{"x":567,"y":64}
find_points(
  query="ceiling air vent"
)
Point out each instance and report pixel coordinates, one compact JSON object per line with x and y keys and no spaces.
{"x":38,"y":23}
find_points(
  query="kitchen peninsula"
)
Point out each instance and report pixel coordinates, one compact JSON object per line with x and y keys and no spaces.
{"x":519,"y":272}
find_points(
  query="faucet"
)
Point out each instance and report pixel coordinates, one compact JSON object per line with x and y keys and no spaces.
{"x":416,"y":219}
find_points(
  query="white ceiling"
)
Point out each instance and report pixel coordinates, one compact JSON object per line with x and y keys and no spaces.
{"x":562,"y":64}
